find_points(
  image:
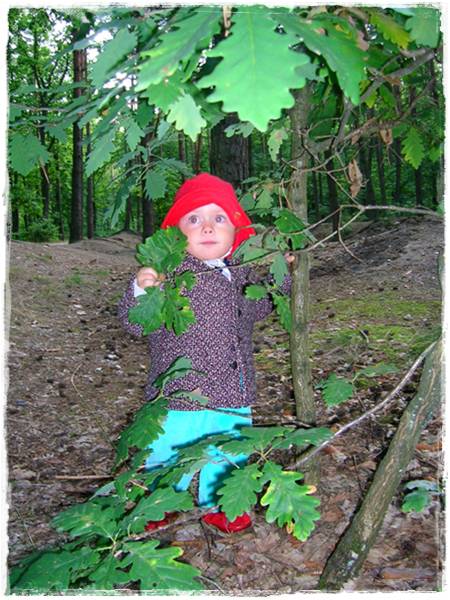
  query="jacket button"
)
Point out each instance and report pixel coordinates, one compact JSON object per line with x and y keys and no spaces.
{"x":233,"y":365}
{"x":239,"y":311}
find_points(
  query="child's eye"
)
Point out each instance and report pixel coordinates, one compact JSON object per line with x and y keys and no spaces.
{"x":193,"y":219}
{"x":221,"y":218}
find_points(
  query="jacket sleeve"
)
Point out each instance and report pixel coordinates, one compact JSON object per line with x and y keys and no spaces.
{"x":127,"y":301}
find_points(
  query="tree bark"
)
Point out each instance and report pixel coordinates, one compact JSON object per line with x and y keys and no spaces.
{"x":181,"y":150}
{"x":332,"y":192}
{"x":380,"y":169}
{"x":76,"y":220}
{"x":398,"y":171}
{"x":197,"y":154}
{"x":299,"y":338}
{"x":349,"y":555}
{"x":90,"y":193}
{"x":58,"y":203}
{"x":228,"y":156}
{"x":315,"y":187}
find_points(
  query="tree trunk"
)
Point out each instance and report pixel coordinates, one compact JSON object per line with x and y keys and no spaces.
{"x":90,"y":193}
{"x":197,"y":154}
{"x":182,"y":150}
{"x":76,"y":220}
{"x":418,"y":186}
{"x":297,"y":193}
{"x":332,"y":192}
{"x":315,"y":187}
{"x":349,"y":555}
{"x":398,"y":171}
{"x":228,"y":156}
{"x":45,"y":183}
{"x":380,"y":168}
{"x":58,"y":204}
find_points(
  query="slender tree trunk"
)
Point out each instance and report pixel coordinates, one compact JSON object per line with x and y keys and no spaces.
{"x":90,"y":193}
{"x":380,"y":169}
{"x":299,"y":338}
{"x":182,"y":150}
{"x":228,"y":156}
{"x":58,"y":203}
{"x":398,"y":172}
{"x":197,"y":154}
{"x":15,"y":216}
{"x":418,"y":186}
{"x":45,"y":182}
{"x":315,"y":187}
{"x":332,"y":192}
{"x":76,"y":220}
{"x":349,"y":555}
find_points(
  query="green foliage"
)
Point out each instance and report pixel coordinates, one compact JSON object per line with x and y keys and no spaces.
{"x":112,"y":54}
{"x":389,"y":28}
{"x":185,"y":114}
{"x":248,"y":79}
{"x":177,"y":45}
{"x":424,"y":26}
{"x":101,"y":152}
{"x":413,"y":148}
{"x":155,"y":184}
{"x":339,"y":49}
{"x":163,"y":251}
{"x":26,"y":152}
{"x":276,"y":138}
{"x":419,"y":497}
{"x":255,"y":292}
{"x":288,"y":502}
{"x":335,"y":390}
{"x":42,"y":231}
{"x":377,"y":370}
{"x":238,"y":494}
{"x":157,"y":568}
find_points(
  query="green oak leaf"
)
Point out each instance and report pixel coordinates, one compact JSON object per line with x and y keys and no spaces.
{"x":288,"y":502}
{"x":154,"y":506}
{"x":283,"y":308}
{"x":145,"y":428}
{"x":87,"y":518}
{"x":389,"y":28}
{"x":157,"y":568}
{"x":112,"y":54}
{"x":305,"y":437}
{"x":248,"y":79}
{"x":416,"y":501}
{"x":26,"y":152}
{"x":238,"y":494}
{"x":176,"y":311}
{"x":101,"y":151}
{"x":379,"y":369}
{"x":133,"y":132}
{"x":255,"y":292}
{"x":276,"y":138}
{"x":179,"y":368}
{"x":166,"y":92}
{"x":424,"y":26}
{"x":155,"y":184}
{"x":336,"y":390}
{"x":177,"y":45}
{"x":185,"y":114}
{"x":279,"y":268}
{"x":251,"y":439}
{"x":340,"y":51}
{"x":413,"y":148}
{"x":54,"y":570}
{"x":148,"y":311}
{"x":163,"y":251}
{"x":108,"y":574}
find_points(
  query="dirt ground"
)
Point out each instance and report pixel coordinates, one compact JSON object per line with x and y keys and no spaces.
{"x":76,"y":379}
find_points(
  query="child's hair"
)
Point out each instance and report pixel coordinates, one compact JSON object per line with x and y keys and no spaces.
{"x":209,"y":189}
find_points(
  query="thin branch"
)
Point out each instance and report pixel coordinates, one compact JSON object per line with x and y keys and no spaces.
{"x":310,"y":453}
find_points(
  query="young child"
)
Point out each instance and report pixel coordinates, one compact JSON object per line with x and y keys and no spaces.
{"x":219,"y":343}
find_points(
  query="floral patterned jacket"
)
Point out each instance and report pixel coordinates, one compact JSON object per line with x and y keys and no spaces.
{"x":219,"y":343}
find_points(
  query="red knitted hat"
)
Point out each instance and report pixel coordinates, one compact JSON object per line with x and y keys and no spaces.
{"x":209,"y":189}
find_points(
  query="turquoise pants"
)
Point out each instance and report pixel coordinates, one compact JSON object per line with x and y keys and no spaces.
{"x":182,"y":427}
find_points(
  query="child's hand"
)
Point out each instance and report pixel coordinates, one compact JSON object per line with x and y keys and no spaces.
{"x":289,"y":258}
{"x":148,"y":277}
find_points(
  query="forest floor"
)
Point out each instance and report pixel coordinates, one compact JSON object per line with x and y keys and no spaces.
{"x":76,"y":380}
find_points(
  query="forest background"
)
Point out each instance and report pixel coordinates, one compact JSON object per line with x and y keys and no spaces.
{"x":397,"y":159}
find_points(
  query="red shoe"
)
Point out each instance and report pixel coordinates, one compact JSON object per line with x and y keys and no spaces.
{"x":220,"y":521}
{"x":168,"y":517}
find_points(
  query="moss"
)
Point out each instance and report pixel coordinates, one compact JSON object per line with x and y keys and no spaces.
{"x":382,"y":304}
{"x":73,"y":280}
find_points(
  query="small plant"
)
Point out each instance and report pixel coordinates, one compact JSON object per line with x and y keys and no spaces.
{"x":42,"y":231}
{"x":418,"y":495}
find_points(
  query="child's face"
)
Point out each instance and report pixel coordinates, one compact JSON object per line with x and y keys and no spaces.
{"x":209,"y":231}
